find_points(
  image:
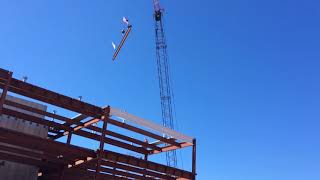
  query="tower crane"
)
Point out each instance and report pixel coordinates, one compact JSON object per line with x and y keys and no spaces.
{"x":166,"y":93}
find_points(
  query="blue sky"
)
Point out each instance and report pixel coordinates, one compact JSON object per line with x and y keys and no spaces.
{"x":245,"y":73}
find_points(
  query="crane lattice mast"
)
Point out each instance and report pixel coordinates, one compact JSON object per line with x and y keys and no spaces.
{"x":166,"y":92}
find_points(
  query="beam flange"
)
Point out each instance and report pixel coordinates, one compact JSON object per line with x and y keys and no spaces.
{"x":144,"y":132}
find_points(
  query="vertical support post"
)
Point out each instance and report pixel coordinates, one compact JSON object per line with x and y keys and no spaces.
{"x":145,"y":170}
{"x":194,"y":155}
{"x":102,"y":137}
{"x":5,"y":91}
{"x":145,"y":158}
{"x":69,"y":138}
{"x":146,"y":155}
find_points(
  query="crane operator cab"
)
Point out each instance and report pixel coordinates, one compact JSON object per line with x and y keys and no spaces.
{"x":158,"y":15}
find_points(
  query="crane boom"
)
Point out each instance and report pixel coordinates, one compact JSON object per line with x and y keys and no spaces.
{"x":166,"y":92}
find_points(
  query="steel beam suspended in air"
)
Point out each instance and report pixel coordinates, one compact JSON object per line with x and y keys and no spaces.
{"x":122,"y":42}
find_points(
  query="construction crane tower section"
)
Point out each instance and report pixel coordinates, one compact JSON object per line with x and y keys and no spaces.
{"x":166,"y":92}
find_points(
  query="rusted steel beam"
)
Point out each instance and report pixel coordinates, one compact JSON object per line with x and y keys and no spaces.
{"x":112,"y":142}
{"x":79,"y":117}
{"x":86,"y":124}
{"x":37,"y":111}
{"x":126,"y":138}
{"x":171,"y":148}
{"x":68,"y":174}
{"x":116,"y":142}
{"x":136,"y":170}
{"x":34,"y":119}
{"x":45,"y":145}
{"x":27,"y":160}
{"x":85,"y":163}
{"x":122,"y":42}
{"x":86,"y":174}
{"x":75,"y":174}
{"x":63,"y":127}
{"x":48,"y":96}
{"x":51,"y":153}
{"x":82,"y":125}
{"x":110,"y":133}
{"x":89,"y":161}
{"x":123,"y":173}
{"x":32,"y":154}
{"x":113,"y":156}
{"x":51,"y":136}
{"x":194,"y":155}
{"x":54,"y":131}
{"x":41,"y":112}
{"x":141,"y":131}
{"x":3,"y":73}
{"x":5,"y":91}
{"x":76,"y":120}
{"x":102,"y":141}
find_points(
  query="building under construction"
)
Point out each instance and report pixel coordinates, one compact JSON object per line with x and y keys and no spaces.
{"x":34,"y":147}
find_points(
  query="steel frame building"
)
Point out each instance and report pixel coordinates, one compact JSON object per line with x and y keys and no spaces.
{"x":62,"y":160}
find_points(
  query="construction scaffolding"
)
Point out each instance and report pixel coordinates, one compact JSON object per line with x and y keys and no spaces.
{"x":63,"y":160}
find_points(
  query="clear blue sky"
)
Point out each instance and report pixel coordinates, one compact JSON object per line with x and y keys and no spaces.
{"x":246,"y":73}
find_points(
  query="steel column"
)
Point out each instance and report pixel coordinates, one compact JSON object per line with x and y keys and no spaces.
{"x":146,"y":159}
{"x":69,"y":138}
{"x":102,"y":140}
{"x":194,"y":155}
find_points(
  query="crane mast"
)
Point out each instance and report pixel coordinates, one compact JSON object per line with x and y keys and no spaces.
{"x":166,"y":92}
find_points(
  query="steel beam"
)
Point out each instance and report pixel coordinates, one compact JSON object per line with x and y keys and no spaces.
{"x":113,"y":156}
{"x":113,"y":134}
{"x":82,"y":125}
{"x":47,"y":96}
{"x":45,"y":145}
{"x":141,"y":131}
{"x":31,"y":154}
{"x":79,"y":132}
{"x":126,"y":138}
{"x":102,"y":141}
{"x":123,"y":173}
{"x":34,"y":119}
{"x":27,"y":160}
{"x":75,"y":120}
{"x":171,"y":148}
{"x":122,"y":42}
{"x":5,"y":90}
{"x":112,"y":142}
{"x":136,"y":170}
{"x":37,"y":111}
